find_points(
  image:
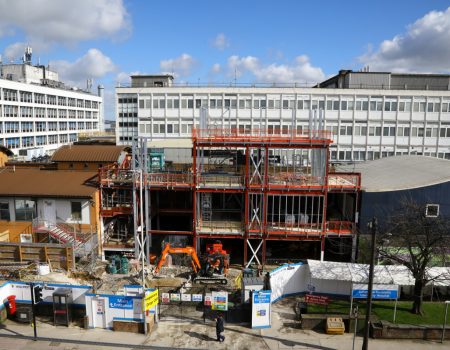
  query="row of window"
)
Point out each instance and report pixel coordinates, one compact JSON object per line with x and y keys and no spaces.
{"x":128,"y":115}
{"x":40,"y":112}
{"x":373,"y":104}
{"x":26,"y":210}
{"x":30,"y":97}
{"x":343,"y":130}
{"x":30,"y":141}
{"x":15,"y":127}
{"x":348,"y":130}
{"x":129,"y":100}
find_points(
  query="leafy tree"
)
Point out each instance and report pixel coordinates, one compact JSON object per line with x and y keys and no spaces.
{"x":413,"y":238}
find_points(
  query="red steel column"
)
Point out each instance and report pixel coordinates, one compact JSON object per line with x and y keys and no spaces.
{"x":194,"y":194}
{"x":246,"y":201}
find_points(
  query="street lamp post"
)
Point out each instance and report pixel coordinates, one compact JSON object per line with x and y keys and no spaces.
{"x":373,"y":230}
{"x":355,"y":315}
{"x":447,"y":302}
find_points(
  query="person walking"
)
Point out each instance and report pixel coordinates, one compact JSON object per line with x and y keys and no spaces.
{"x":220,"y":328}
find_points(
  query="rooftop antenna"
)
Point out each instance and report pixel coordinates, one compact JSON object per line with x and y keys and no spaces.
{"x":89,"y":84}
{"x":235,"y":76}
{"x":27,"y":55}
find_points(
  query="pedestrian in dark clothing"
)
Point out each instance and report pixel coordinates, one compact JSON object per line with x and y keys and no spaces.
{"x":220,"y":328}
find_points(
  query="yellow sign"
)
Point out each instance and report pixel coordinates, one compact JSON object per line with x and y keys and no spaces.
{"x":151,"y":300}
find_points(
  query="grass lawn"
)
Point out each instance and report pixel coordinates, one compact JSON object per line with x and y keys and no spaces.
{"x":433,"y":312}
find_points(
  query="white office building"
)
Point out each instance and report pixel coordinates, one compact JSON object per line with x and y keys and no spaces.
{"x":371,"y":115}
{"x":38,"y":113}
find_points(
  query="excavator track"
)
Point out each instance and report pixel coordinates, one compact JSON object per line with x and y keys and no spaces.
{"x":210,"y":280}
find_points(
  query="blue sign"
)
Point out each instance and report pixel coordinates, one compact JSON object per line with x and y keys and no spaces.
{"x":121,"y":302}
{"x":261,"y":297}
{"x":376,"y":294}
{"x":261,"y":317}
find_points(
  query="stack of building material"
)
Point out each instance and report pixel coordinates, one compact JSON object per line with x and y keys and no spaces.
{"x":335,"y":325}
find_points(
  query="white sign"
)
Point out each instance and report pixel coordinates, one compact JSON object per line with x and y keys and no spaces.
{"x":165,"y":298}
{"x":197,"y":297}
{"x":208,"y":299}
{"x":261,"y":309}
{"x":175,"y":296}
{"x":185,"y":297}
{"x":100,"y":307}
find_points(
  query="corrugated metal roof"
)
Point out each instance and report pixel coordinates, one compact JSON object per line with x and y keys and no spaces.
{"x":88,"y":153}
{"x":38,"y":183}
{"x":400,"y":173}
{"x":383,"y":274}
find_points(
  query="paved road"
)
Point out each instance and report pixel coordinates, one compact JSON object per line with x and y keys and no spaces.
{"x":169,"y":335}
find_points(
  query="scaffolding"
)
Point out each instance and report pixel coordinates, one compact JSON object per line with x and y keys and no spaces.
{"x":255,"y":185}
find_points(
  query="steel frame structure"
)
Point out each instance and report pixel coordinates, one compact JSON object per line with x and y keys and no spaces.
{"x":283,"y":180}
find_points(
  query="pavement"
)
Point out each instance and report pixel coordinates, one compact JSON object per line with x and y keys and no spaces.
{"x":197,"y":335}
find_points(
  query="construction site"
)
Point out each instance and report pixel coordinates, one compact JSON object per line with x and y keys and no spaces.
{"x":210,"y":223}
{"x":268,"y":197}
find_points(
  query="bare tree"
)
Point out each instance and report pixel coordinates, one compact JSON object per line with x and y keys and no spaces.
{"x":413,"y":238}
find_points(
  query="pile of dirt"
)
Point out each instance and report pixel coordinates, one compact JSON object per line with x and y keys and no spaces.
{"x":55,"y":277}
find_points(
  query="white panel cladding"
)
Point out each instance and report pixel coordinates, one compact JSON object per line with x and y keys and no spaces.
{"x":274,"y":108}
{"x":40,"y":104}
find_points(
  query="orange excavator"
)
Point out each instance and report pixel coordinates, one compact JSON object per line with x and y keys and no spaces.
{"x":214,"y":266}
{"x":168,"y":249}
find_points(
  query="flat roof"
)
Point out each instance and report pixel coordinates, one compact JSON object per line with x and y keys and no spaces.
{"x":400,"y":173}
{"x":170,"y":143}
{"x":88,"y":153}
{"x":152,"y":76}
{"x":32,"y":182}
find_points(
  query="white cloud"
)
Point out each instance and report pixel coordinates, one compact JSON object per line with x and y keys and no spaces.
{"x":124,"y":78}
{"x":180,"y":66}
{"x":94,"y":64}
{"x":64,"y":21}
{"x":216,"y":68}
{"x":14,"y":51}
{"x":424,"y":47}
{"x":221,"y":42}
{"x":299,"y":71}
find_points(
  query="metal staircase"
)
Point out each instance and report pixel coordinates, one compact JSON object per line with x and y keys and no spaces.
{"x":63,"y":236}
{"x":66,"y":234}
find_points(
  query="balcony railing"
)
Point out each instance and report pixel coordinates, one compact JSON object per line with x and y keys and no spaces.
{"x":295,"y":180}
{"x":221,"y":181}
{"x":169,"y":179}
{"x":108,"y":175}
{"x":340,"y":227}
{"x":344,"y":181}
{"x":260,"y":134}
{"x":221,"y":227}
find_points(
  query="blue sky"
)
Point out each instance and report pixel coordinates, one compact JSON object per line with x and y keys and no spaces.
{"x":212,"y":41}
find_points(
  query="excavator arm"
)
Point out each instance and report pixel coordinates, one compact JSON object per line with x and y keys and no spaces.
{"x":163,"y":258}
{"x":176,"y":250}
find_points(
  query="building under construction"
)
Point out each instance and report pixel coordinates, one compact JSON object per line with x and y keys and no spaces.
{"x":267,"y":195}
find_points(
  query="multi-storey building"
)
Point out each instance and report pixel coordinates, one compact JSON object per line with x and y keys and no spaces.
{"x":38,"y":113}
{"x":235,"y":187}
{"x":371,"y":115}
